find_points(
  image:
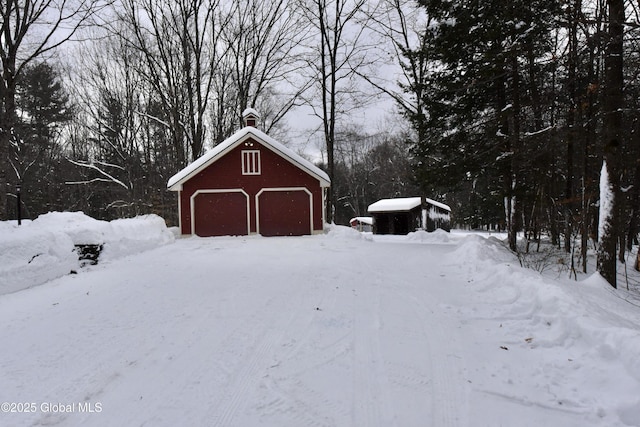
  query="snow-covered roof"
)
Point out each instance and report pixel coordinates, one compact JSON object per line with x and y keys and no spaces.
{"x":362,"y":219}
{"x":438,"y":204}
{"x":248,"y":111}
{"x":176,"y":181}
{"x":402,"y":204}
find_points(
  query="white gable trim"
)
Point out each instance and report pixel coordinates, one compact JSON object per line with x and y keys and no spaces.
{"x":180,"y":211}
{"x":324,"y":206}
{"x":284,"y":189}
{"x":192,"y":202}
{"x":204,"y":161}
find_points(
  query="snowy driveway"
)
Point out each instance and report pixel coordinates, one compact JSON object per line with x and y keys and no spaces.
{"x":311,"y":331}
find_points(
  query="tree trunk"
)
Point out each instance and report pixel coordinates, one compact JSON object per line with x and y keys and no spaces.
{"x":589,"y":141}
{"x":571,"y":131}
{"x":632,"y":233}
{"x":514,"y":136}
{"x":7,"y":125}
{"x":3,"y":176}
{"x":613,"y":103}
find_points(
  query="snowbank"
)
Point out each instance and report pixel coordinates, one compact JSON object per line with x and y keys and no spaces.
{"x":32,"y":255}
{"x":82,"y":229}
{"x":481,"y":249}
{"x":541,"y":318}
{"x":343,"y":232}
{"x":44,"y":249}
{"x":437,"y":236}
{"x":130,"y":236}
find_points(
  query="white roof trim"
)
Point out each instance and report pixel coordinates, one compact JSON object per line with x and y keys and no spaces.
{"x":176,"y":181}
{"x":438,"y":204}
{"x":402,"y":204}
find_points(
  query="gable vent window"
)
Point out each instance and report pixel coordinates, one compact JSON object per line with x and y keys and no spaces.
{"x":250,"y":162}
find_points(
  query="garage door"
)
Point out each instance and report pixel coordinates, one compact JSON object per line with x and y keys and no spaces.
{"x":220,"y":213}
{"x":284,"y":212}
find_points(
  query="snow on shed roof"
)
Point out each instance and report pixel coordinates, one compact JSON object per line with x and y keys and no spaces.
{"x":438,"y":204}
{"x":362,"y":219}
{"x":402,"y":204}
{"x":176,"y":181}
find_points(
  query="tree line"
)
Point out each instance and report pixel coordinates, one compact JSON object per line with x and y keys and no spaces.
{"x":507,"y":112}
{"x":526,"y":114}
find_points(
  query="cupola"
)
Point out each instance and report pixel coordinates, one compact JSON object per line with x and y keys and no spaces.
{"x":250,"y":117}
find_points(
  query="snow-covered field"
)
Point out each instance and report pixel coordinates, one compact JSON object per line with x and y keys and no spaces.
{"x":334,"y":330}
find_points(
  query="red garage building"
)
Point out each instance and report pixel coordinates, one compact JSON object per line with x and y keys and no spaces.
{"x":249,"y":184}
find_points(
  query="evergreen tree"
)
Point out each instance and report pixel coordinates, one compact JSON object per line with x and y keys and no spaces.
{"x":43,"y":107}
{"x":481,"y":98}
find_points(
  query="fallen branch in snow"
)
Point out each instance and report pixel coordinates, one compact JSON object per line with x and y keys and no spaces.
{"x":34,"y":257}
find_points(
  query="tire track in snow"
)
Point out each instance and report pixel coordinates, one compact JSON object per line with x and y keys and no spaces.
{"x":319,"y":340}
{"x":448,"y":387}
{"x":247,"y":374}
{"x":100,"y":366}
{"x":307,"y":407}
{"x":369,"y":405}
{"x":403,"y":373}
{"x":342,"y":340}
{"x":245,"y":378}
{"x":425,"y":329}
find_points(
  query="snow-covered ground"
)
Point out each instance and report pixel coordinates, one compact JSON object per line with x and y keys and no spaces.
{"x":341,"y":329}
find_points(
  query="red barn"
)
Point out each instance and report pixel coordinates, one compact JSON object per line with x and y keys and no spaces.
{"x":249,"y":184}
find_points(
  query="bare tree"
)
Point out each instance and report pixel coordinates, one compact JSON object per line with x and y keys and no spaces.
{"x":263,"y":39}
{"x":402,"y":27}
{"x":338,"y":52}
{"x":30,"y":30}
{"x":112,"y":96}
{"x":369,"y":166}
{"x":179,"y":41}
{"x":126,"y":155}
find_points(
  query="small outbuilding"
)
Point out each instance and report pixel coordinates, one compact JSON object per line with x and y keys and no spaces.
{"x":404,"y":215}
{"x":362,"y":223}
{"x":250,"y":184}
